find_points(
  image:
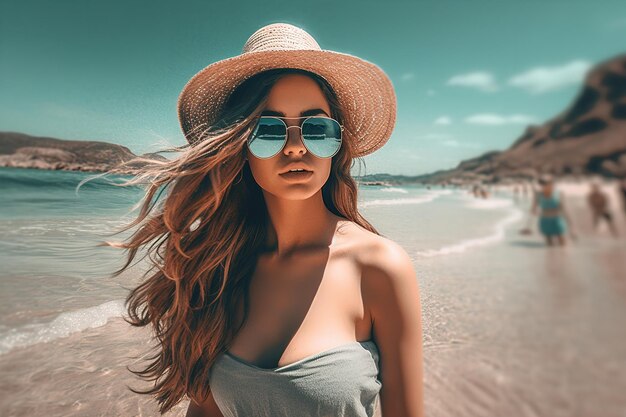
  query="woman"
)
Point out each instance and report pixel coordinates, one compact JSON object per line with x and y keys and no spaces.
{"x":553,"y":219}
{"x":270,"y":294}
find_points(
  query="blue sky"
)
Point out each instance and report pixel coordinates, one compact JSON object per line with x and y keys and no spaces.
{"x":469,"y":75}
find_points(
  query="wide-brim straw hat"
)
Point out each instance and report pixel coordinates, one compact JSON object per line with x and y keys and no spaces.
{"x":363,"y":90}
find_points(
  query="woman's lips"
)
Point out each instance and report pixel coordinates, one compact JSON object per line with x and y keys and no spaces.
{"x":297,"y":175}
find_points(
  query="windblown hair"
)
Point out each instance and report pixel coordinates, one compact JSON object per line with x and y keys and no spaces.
{"x":204,"y":238}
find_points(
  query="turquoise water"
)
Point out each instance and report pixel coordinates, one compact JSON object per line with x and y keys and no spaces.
{"x":55,"y":280}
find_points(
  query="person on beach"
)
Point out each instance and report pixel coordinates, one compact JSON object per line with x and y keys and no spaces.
{"x":270,"y":294}
{"x":553,"y":217}
{"x":599,"y":204}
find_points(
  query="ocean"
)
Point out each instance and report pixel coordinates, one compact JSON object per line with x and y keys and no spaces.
{"x":510,"y":326}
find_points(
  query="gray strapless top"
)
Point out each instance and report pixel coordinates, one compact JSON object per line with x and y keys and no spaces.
{"x":339,"y":382}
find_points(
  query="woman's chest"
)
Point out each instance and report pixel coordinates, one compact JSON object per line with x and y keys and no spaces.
{"x":302,"y":307}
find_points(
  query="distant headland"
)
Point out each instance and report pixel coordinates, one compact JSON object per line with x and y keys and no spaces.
{"x":19,"y":150}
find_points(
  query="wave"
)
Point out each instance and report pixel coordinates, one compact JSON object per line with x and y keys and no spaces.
{"x":394,"y":190}
{"x":495,"y":236}
{"x":399,"y":201}
{"x":426,"y":198}
{"x":37,"y":178}
{"x":490,"y":204}
{"x":62,"y":326}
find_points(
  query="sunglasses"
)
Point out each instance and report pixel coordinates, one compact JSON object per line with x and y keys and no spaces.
{"x":321,"y":136}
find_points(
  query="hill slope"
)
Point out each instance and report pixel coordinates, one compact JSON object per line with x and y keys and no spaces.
{"x":589,"y":137}
{"x":24,"y":151}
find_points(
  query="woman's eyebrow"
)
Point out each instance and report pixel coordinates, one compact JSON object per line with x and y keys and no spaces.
{"x":303,"y":114}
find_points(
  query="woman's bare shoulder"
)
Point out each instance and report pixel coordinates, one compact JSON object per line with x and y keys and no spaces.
{"x":368,"y":248}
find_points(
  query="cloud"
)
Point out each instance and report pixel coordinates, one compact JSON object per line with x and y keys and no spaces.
{"x":443,"y":121}
{"x":617,"y":24}
{"x":452,"y":143}
{"x":492,"y":119}
{"x":431,"y":92}
{"x":407,"y":76}
{"x":447,"y":140}
{"x":544,"y":79}
{"x":430,"y":136}
{"x":480,"y":80}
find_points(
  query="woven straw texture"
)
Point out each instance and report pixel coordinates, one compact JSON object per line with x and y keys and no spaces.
{"x":363,"y":89}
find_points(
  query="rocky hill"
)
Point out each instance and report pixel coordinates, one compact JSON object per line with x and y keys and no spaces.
{"x":24,"y":151}
{"x":589,"y":137}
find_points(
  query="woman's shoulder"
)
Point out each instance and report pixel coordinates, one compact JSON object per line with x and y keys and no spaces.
{"x":368,"y":249}
{"x":386,"y":269}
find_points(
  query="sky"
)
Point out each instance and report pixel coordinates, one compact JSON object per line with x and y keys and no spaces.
{"x":469,"y":75}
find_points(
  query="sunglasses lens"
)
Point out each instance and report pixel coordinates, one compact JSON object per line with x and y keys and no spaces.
{"x":322,"y":136}
{"x":268,"y":137}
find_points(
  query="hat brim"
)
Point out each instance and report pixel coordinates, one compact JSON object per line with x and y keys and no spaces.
{"x":363,"y":90}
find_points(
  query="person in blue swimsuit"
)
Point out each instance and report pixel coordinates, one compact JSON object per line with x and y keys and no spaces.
{"x":553,"y":219}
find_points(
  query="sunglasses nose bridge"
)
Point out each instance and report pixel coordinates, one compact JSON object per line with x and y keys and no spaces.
{"x":299,"y":140}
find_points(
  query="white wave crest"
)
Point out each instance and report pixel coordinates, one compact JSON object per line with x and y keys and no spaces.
{"x":394,"y":190}
{"x":62,"y":326}
{"x":490,"y":204}
{"x":399,"y":201}
{"x":496,"y":235}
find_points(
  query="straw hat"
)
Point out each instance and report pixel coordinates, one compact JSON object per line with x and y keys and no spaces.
{"x":363,"y":89}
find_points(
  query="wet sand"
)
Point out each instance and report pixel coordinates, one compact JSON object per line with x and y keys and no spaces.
{"x":510,"y":329}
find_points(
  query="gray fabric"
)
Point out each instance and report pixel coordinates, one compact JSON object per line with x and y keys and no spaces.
{"x":339,"y":382}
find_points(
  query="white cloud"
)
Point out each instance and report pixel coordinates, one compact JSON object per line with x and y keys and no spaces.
{"x":481,"y":80}
{"x":407,"y":76}
{"x":431,"y":92}
{"x":543,"y":79}
{"x":617,"y":24}
{"x":447,"y":140}
{"x":452,"y":143}
{"x":492,"y":119}
{"x":443,"y":121}
{"x":430,"y":136}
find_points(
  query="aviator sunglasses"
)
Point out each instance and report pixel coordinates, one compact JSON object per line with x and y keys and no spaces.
{"x":321,"y":136}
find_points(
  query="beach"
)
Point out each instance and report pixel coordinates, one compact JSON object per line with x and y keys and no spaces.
{"x":511,"y":327}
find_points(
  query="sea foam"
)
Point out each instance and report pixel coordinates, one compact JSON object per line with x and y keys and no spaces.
{"x":427,"y":198}
{"x":496,"y":235}
{"x":62,"y":326}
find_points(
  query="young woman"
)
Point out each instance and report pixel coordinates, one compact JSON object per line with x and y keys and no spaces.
{"x":270,"y":294}
{"x":553,"y":217}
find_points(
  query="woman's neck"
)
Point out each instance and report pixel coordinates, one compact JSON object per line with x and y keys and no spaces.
{"x":294,"y":225}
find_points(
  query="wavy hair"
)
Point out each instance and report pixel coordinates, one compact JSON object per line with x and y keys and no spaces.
{"x":203,"y":239}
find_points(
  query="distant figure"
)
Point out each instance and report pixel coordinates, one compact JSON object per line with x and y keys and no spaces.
{"x":599,"y":205}
{"x":553,"y":219}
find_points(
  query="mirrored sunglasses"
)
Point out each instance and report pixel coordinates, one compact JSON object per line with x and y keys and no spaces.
{"x":321,"y":136}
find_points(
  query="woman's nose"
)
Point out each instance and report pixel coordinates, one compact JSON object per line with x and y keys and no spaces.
{"x":294,"y":140}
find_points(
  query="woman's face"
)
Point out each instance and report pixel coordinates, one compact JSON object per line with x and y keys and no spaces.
{"x":547,"y":187}
{"x":293,"y":95}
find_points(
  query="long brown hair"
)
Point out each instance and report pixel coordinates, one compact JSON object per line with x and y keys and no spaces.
{"x":204,"y":238}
